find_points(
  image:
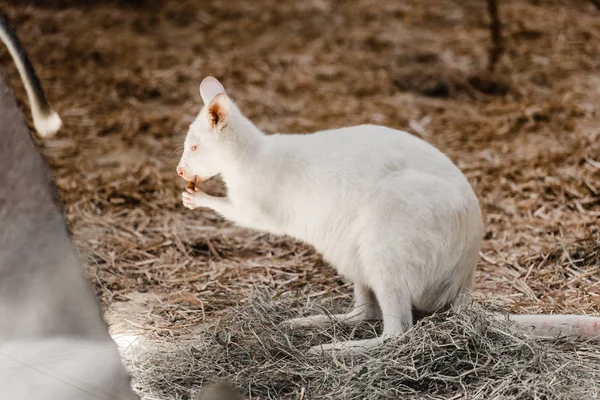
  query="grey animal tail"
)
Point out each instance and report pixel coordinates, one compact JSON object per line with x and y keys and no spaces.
{"x":45,"y":120}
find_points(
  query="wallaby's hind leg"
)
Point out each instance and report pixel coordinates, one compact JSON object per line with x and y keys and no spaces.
{"x":365,"y":308}
{"x":396,"y":310}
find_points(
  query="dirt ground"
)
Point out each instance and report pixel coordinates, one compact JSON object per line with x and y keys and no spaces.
{"x":124,"y":76}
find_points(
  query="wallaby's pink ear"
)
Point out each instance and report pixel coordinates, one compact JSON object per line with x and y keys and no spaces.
{"x":209,"y":88}
{"x":218,"y":111}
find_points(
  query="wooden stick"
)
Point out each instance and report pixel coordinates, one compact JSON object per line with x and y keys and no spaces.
{"x":496,"y":48}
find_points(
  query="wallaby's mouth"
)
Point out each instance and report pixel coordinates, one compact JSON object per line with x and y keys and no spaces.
{"x":193,"y":181}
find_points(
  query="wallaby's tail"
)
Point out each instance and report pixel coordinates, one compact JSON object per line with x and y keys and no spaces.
{"x":552,"y":326}
{"x":45,"y":120}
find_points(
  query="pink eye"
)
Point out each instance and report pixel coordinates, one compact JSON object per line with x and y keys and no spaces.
{"x":194,"y":147}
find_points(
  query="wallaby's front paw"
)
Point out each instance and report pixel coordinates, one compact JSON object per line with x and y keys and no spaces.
{"x":193,"y":198}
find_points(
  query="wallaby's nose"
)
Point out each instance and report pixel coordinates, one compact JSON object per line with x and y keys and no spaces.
{"x":179,"y":171}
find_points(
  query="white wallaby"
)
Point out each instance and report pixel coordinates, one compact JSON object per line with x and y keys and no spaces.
{"x":389,"y":211}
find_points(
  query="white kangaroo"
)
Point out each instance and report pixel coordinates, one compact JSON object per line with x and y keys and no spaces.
{"x":389,"y":211}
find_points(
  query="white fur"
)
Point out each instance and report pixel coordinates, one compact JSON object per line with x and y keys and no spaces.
{"x":46,"y":125}
{"x":389,"y":211}
{"x":210,"y":88}
{"x":45,"y":121}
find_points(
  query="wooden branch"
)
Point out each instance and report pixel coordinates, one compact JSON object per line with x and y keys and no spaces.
{"x":496,"y":48}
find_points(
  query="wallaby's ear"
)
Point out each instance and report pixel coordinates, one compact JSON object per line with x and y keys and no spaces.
{"x":209,"y":88}
{"x":218,"y":111}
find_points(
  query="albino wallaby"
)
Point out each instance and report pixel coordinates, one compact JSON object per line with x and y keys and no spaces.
{"x":45,"y":120}
{"x":389,"y":211}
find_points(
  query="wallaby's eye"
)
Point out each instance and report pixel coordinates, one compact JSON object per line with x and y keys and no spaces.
{"x":194,"y":147}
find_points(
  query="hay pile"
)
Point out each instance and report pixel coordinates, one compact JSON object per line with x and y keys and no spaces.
{"x":464,"y":354}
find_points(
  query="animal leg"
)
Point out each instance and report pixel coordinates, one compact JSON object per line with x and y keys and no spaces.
{"x":365,"y":308}
{"x":396,"y":310}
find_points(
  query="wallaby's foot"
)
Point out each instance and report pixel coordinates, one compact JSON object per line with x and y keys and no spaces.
{"x":355,"y":346}
{"x":365,"y":309}
{"x":322,"y":321}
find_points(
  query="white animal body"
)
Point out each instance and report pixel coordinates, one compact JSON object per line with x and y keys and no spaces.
{"x":388,"y":210}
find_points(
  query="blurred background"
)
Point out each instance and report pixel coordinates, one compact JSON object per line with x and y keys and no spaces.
{"x":516,"y":108}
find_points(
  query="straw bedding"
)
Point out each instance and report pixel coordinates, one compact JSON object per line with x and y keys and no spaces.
{"x":463,"y":354}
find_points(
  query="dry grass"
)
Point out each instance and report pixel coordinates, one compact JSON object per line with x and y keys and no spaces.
{"x":125,"y":80}
{"x":468,"y":354}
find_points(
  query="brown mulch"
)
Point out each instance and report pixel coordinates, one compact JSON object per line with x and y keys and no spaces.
{"x":124,"y":76}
